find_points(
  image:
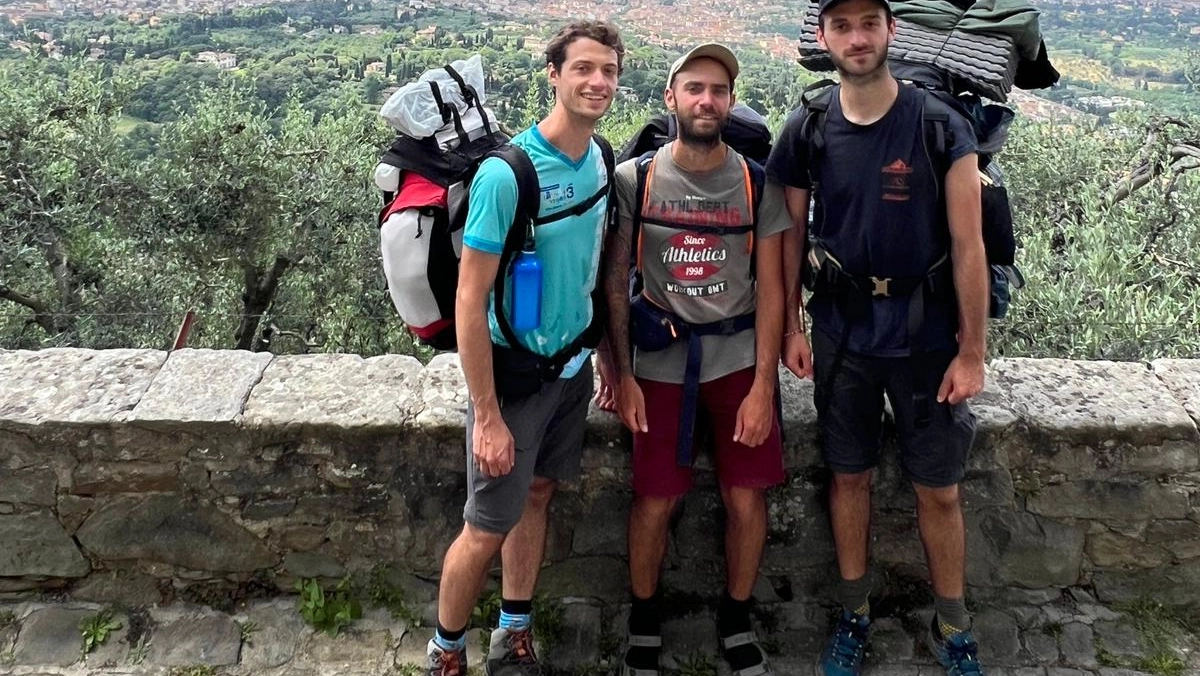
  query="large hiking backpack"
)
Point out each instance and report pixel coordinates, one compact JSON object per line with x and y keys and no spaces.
{"x":422,"y":220}
{"x":990,"y":122}
{"x":746,"y":133}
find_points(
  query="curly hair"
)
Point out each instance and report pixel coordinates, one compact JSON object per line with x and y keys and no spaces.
{"x":601,"y":31}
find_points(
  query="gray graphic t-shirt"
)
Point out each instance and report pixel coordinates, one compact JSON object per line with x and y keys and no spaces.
{"x":700,"y":276}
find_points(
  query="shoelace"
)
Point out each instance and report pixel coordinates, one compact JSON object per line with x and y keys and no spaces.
{"x":450,"y":663}
{"x":847,"y":643}
{"x":963,"y":658}
{"x":520,"y":651}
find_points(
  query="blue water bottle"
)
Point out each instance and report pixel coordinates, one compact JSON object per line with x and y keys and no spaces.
{"x":526,"y":291}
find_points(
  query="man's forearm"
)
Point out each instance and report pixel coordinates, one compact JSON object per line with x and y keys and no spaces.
{"x":616,"y":289}
{"x":475,"y":355}
{"x":971,"y":287}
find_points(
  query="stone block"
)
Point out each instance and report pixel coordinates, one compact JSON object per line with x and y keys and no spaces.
{"x":604,"y":528}
{"x":200,"y":389}
{"x":1112,"y":550}
{"x":51,"y":637}
{"x":312,"y":564}
{"x":999,"y":639}
{"x":1018,"y":549}
{"x":1181,"y":377}
{"x":579,"y":644}
{"x":1076,"y":401}
{"x":603,"y":577}
{"x":67,"y":386}
{"x":1119,"y":639}
{"x":45,"y":549}
{"x":1078,"y":645}
{"x":273,"y":642}
{"x":353,"y":651}
{"x":890,"y":640}
{"x":341,"y":392}
{"x":1116,"y":500}
{"x":988,"y":489}
{"x":169,"y":528}
{"x":442,"y":404}
{"x":29,"y":486}
{"x":191,"y":637}
{"x":799,"y":422}
{"x":94,"y":478}
{"x":126,"y":587}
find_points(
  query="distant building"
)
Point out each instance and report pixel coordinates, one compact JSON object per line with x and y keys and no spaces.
{"x":375,"y":68}
{"x":222,"y":60}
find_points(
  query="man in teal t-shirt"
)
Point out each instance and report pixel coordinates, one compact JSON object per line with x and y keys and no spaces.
{"x":519,"y":447}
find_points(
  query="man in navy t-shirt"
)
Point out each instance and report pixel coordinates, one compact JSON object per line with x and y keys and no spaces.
{"x":899,"y":308}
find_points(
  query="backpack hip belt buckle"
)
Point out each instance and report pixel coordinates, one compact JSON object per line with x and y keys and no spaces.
{"x":882,"y":287}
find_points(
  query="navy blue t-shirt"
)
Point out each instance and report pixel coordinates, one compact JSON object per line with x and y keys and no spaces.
{"x":884,"y":216}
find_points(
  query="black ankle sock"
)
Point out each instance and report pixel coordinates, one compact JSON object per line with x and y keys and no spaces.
{"x":733,"y":617}
{"x":524,"y":607}
{"x":644,"y":620}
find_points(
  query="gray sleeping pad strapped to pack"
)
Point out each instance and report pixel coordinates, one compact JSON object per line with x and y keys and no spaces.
{"x":985,"y":64}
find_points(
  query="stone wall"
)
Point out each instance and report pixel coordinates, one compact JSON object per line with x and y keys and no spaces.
{"x":141,"y":477}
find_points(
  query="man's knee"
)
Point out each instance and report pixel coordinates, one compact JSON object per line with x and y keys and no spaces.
{"x":941,"y":499}
{"x":744,"y":504}
{"x":859,"y":482}
{"x":540,"y":492}
{"x":479,"y":541}
{"x":654,"y":509}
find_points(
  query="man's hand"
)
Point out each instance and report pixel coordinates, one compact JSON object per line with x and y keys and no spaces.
{"x":755,"y":416}
{"x":606,"y":396}
{"x":492,"y":444}
{"x":797,"y":355}
{"x":631,"y":405}
{"x":963,"y":380}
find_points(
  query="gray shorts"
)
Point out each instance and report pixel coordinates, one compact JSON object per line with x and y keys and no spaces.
{"x":548,"y":429}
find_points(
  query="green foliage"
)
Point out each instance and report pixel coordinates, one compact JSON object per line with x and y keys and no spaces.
{"x":327,"y":610}
{"x":697,"y":664}
{"x":95,"y":629}
{"x":383,"y":592}
{"x":1107,"y":278}
{"x":247,"y":630}
{"x":1160,"y":631}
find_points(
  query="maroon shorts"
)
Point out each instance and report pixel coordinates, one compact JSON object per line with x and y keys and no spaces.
{"x":655,"y":472}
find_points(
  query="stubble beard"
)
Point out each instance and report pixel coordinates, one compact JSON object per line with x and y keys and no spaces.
{"x":689,"y":137}
{"x":877,"y":72}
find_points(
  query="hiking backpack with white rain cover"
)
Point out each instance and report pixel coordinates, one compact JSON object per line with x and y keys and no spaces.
{"x":445,"y":133}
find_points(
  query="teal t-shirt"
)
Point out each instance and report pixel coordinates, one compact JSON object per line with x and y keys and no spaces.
{"x":568,"y":248}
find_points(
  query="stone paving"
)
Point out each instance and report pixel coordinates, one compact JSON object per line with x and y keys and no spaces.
{"x":1036,"y":635}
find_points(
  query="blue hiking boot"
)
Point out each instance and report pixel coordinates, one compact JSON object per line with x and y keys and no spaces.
{"x":957,"y":653}
{"x":843,"y":655}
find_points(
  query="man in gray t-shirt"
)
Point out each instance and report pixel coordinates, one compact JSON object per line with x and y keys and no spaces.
{"x":707,"y":247}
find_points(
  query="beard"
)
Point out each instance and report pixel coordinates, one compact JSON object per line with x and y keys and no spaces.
{"x":870,"y":72}
{"x":689,"y":134}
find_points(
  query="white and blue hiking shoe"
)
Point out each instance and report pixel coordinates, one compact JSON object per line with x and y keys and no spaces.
{"x":957,"y":653}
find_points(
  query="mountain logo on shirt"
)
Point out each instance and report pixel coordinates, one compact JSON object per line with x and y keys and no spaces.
{"x":691,"y":257}
{"x":896,"y":186}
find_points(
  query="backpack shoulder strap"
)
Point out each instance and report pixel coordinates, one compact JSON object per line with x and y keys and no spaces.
{"x":815,"y":99}
{"x":758,"y":182}
{"x":521,"y":230}
{"x":642,"y":165}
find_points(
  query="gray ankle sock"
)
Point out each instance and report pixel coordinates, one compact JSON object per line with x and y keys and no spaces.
{"x":952,"y":615}
{"x":854,"y":595}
